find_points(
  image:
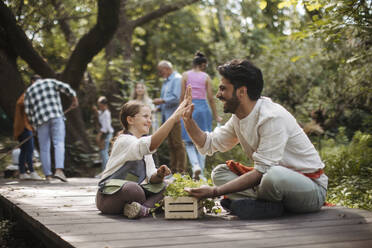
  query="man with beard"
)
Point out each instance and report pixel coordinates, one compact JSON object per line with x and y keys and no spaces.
{"x":287,"y":172}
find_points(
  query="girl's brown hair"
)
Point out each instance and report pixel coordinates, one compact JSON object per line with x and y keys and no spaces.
{"x":130,"y":108}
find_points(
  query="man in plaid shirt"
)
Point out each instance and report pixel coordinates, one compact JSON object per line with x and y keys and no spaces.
{"x":44,"y":110}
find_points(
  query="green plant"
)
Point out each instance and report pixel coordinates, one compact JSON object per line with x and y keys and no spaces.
{"x":176,"y":189}
{"x":349,"y":168}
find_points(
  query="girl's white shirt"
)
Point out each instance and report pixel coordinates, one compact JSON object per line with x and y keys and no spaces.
{"x":130,"y":148}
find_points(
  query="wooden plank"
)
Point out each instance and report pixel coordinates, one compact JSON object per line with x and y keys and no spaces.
{"x":243,"y":239}
{"x":183,"y":207}
{"x":343,"y":244}
{"x":194,"y":232}
{"x":98,"y":218}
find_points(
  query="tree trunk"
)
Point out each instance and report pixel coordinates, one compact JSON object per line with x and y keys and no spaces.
{"x":9,"y":76}
{"x":88,"y":46}
{"x":220,"y":18}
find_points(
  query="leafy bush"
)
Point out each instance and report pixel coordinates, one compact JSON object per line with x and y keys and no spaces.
{"x":349,"y":168}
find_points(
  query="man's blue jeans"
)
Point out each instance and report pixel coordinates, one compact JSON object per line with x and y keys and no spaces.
{"x":52,"y":130}
{"x":27,"y":150}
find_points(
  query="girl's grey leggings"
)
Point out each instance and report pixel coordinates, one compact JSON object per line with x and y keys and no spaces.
{"x":130,"y":192}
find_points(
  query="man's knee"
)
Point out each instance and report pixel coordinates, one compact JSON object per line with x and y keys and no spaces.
{"x":274,"y":176}
{"x":272,"y":183}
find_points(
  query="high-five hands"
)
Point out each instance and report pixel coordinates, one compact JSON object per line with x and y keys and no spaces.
{"x":184,"y":104}
{"x":187,"y":113}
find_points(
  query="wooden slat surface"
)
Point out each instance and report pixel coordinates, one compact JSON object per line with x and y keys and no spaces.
{"x":64,"y":215}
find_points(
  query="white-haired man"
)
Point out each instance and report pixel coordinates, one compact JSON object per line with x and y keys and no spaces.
{"x":168,"y":102}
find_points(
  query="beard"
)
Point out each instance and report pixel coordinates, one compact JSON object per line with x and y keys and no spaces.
{"x":231,"y":104}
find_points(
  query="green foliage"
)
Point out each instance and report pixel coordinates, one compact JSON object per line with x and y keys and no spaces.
{"x":236,"y":154}
{"x":291,"y":70}
{"x":14,"y":235}
{"x":349,"y":168}
{"x":5,"y":230}
{"x":176,"y":188}
{"x":42,"y":22}
{"x":80,"y":159}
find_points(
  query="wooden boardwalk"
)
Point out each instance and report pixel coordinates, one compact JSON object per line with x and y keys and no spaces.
{"x":64,"y":215}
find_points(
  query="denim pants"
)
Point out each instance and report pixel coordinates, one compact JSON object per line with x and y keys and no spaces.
{"x":196,"y":159}
{"x":52,"y":130}
{"x":27,"y":150}
{"x":297,"y":192}
{"x":104,"y":153}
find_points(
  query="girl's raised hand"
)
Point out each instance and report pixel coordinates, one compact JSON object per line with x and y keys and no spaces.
{"x":188,"y":96}
{"x":186,"y":102}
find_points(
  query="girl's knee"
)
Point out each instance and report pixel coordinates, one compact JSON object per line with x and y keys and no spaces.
{"x":132,"y":189}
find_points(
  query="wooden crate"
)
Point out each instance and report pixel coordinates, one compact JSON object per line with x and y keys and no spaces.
{"x":184,"y":207}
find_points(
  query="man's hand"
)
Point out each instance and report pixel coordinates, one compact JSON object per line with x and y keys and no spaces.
{"x":202,"y":192}
{"x":75,"y":103}
{"x":158,"y":101}
{"x":187,"y":114}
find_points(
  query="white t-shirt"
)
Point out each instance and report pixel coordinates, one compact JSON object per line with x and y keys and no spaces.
{"x":270,"y":136}
{"x":130,"y":148}
{"x":104,"y":118}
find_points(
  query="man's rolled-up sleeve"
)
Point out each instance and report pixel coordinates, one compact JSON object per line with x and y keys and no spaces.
{"x":273,"y":139}
{"x":221,"y":139}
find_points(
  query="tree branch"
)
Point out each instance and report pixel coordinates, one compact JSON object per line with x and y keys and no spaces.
{"x":22,"y":44}
{"x":63,"y":23}
{"x":161,"y":12}
{"x":92,"y":42}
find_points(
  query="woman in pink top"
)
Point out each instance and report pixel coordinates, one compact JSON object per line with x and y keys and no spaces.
{"x":201,"y":86}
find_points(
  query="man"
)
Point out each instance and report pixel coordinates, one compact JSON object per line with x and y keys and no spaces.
{"x":287,"y":173}
{"x":168,"y":102}
{"x":44,"y":110}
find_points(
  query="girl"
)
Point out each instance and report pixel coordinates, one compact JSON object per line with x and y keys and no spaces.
{"x":140,"y":94}
{"x":201,"y":90}
{"x":130,"y":183}
{"x":105,"y":131}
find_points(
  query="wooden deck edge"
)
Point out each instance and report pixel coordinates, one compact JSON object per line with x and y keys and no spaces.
{"x":46,"y":236}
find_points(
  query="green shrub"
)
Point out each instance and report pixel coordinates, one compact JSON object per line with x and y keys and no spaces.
{"x":349,"y":168}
